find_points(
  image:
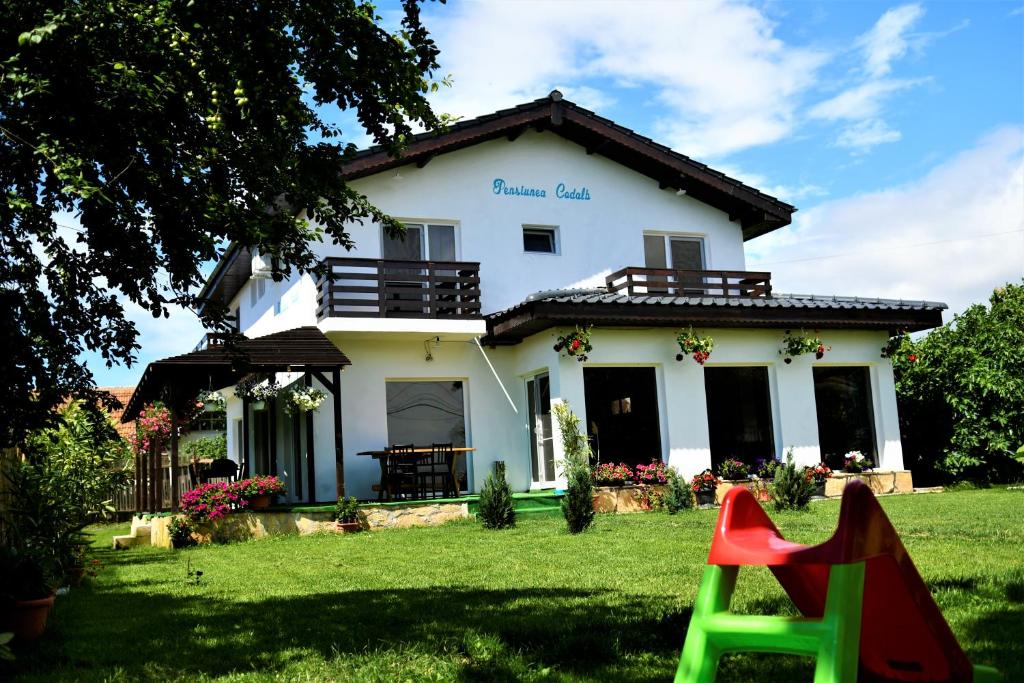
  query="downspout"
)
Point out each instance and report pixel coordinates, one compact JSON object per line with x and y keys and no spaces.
{"x":476,"y":340}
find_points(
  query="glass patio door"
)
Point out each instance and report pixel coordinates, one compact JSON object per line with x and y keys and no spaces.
{"x":542,"y":447}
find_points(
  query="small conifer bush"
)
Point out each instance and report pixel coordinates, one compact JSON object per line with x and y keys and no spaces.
{"x":679,"y":495}
{"x":578,"y":503}
{"x":496,"y":510}
{"x":791,"y":490}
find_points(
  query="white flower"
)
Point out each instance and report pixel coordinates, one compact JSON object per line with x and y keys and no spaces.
{"x":857,"y":456}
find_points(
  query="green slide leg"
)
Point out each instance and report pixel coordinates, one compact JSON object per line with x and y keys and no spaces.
{"x":834,"y":640}
{"x":700,"y":656}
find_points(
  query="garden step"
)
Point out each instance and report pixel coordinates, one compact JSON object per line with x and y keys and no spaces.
{"x":123,"y":542}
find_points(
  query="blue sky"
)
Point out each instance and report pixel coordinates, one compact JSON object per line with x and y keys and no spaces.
{"x":897,"y":129}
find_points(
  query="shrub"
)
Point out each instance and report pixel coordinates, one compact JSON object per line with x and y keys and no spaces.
{"x":766,"y":468}
{"x":208,"y":502}
{"x":648,"y":497}
{"x":180,"y":530}
{"x":610,"y":474}
{"x":578,"y":503}
{"x":496,"y":510}
{"x":679,"y":495}
{"x":212,"y":447}
{"x":346,"y":510}
{"x":651,"y":474}
{"x":734,"y":469}
{"x":791,"y":489}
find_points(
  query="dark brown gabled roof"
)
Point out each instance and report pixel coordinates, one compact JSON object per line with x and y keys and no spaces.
{"x":303,"y":348}
{"x":540,"y":312}
{"x":757,"y":212}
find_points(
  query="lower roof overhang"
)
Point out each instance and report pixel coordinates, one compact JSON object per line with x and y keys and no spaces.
{"x":179,"y":378}
{"x":531,"y":317}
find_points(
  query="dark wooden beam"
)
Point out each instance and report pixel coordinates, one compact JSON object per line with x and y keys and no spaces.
{"x":245,"y":438}
{"x":328,"y":384}
{"x":339,"y":453}
{"x":597,"y":148}
{"x":156,"y":471}
{"x":310,"y":453}
{"x":424,"y":161}
{"x":272,"y":436}
{"x":515,"y":133}
{"x":174,"y":460}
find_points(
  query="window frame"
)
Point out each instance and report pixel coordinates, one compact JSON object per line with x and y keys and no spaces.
{"x":552,"y":230}
{"x":424,"y":225}
{"x":667,"y":237}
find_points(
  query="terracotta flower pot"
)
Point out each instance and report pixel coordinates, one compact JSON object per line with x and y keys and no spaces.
{"x":259,"y":502}
{"x":349,"y":527}
{"x":27,"y":619}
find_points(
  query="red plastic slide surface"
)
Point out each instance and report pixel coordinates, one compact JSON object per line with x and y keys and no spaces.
{"x":903,"y":634}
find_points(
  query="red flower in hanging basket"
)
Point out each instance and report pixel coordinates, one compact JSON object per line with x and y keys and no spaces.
{"x":912,"y":358}
{"x":575,"y":344}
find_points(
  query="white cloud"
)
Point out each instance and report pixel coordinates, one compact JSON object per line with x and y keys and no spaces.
{"x":862,"y":101}
{"x":864,"y":135}
{"x":722,"y":80}
{"x":952,"y":235}
{"x":887,"y":39}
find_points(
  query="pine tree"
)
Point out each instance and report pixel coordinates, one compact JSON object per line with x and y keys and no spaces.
{"x":578,"y":503}
{"x":496,"y":510}
{"x":679,"y":495}
{"x":791,"y":489}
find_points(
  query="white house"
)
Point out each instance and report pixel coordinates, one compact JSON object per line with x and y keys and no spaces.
{"x":520,"y":225}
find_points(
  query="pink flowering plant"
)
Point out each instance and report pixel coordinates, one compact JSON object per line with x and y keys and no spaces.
{"x":693,"y":344}
{"x":153,"y":427}
{"x":818,"y":473}
{"x":208,"y":502}
{"x":734,"y":469}
{"x":260,"y":485}
{"x":610,"y":474}
{"x":655,"y":473}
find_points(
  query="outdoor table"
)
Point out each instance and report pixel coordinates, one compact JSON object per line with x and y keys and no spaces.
{"x":382,"y":456}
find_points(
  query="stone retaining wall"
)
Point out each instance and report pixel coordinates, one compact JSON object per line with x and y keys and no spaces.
{"x":880,"y":482}
{"x":240,"y":526}
{"x":621,"y":498}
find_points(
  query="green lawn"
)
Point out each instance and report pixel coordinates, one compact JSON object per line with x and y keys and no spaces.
{"x":460,"y":603}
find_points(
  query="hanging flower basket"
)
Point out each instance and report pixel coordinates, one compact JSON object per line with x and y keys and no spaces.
{"x":303,"y":400}
{"x":257,"y":390}
{"x":794,"y":345}
{"x":576,"y":344}
{"x":211,"y":402}
{"x":693,"y":344}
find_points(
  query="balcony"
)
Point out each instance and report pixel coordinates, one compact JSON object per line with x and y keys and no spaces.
{"x":668,"y":282}
{"x":378,"y":288}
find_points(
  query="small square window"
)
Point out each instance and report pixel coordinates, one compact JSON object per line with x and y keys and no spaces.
{"x":540,"y":240}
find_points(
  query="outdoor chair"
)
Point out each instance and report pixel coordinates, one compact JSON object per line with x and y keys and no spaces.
{"x":867,"y":614}
{"x":436,"y":472}
{"x":402,"y":468}
{"x":220,"y":469}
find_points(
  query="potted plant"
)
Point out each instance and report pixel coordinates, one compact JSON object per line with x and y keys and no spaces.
{"x":180,"y":530}
{"x":734,"y":470}
{"x":259,"y":490}
{"x":26,"y":595}
{"x":576,"y":344}
{"x":303,"y":400}
{"x":765,"y":468}
{"x":610,"y":474}
{"x":818,"y":474}
{"x":692,"y":344}
{"x":346,"y":515}
{"x":855,"y":462}
{"x":654,"y":474}
{"x":211,"y":401}
{"x":704,"y":486}
{"x":794,"y":345}
{"x":257,"y":391}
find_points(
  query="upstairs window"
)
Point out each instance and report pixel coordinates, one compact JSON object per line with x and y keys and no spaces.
{"x":539,"y":239}
{"x":420,"y":243}
{"x":674,"y":251}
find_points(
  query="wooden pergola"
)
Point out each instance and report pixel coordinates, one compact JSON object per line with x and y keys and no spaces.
{"x":177,"y":380}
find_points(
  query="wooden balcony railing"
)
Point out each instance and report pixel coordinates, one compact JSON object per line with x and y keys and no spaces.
{"x":378,"y":288}
{"x":669,"y":282}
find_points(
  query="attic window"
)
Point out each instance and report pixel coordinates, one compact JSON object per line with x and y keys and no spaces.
{"x":540,"y":240}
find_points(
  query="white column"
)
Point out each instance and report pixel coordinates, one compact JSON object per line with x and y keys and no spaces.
{"x":798,"y":418}
{"x":887,"y":419}
{"x":686,"y":415}
{"x":566,"y":387}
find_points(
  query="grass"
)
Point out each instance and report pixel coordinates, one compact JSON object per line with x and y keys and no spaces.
{"x":458,"y":603}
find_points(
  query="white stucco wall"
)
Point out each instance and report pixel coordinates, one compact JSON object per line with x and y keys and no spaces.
{"x":596,"y":236}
